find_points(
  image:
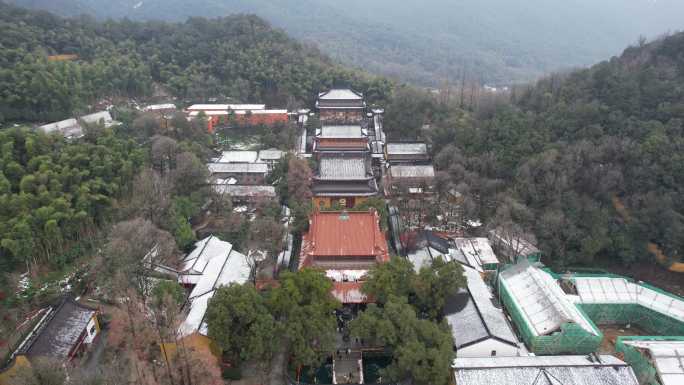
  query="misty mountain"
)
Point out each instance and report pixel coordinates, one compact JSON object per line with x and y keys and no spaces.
{"x":430,"y":41}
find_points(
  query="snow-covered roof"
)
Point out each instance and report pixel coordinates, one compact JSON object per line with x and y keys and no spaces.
{"x":406,"y":148}
{"x":472,"y":316}
{"x":420,"y":257}
{"x":405,"y":171}
{"x":71,"y":128}
{"x":245,"y":191}
{"x":157,"y":107}
{"x":340,"y":94}
{"x":102,"y":116}
{"x":238,"y":157}
{"x":238,"y":168}
{"x":342,"y":169}
{"x":543,"y":370}
{"x":225,"y":107}
{"x":270,"y":154}
{"x":60,"y":331}
{"x":667,"y":358}
{"x":616,"y":290}
{"x":205,"y":250}
{"x":347,"y":132}
{"x":212,"y":264}
{"x":543,"y":304}
{"x":478,"y":251}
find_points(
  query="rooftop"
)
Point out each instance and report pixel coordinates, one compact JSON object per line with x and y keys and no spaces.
{"x":270,"y":154}
{"x":333,"y":168}
{"x":212,"y":264}
{"x":543,"y":370}
{"x":61,"y":331}
{"x":542,"y":302}
{"x":238,"y":168}
{"x":617,"y":290}
{"x":71,"y":128}
{"x":400,"y":171}
{"x":334,"y":233}
{"x":667,"y":358}
{"x":245,"y":191}
{"x":406,"y":149}
{"x":478,"y":251}
{"x":342,"y":132}
{"x":340,"y":94}
{"x":157,"y":107}
{"x":238,"y":157}
{"x":472,"y":316}
{"x":222,"y":107}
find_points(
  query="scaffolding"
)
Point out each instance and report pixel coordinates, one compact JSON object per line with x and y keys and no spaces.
{"x":547,"y":321}
{"x":615,"y":300}
{"x":655,"y":360}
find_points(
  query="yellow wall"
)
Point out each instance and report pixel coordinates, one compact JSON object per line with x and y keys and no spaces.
{"x":328,"y":201}
{"x":195,"y":340}
{"x":7,"y":375}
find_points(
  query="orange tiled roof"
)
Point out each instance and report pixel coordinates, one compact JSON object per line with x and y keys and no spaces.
{"x":352,"y":234}
{"x":344,"y":143}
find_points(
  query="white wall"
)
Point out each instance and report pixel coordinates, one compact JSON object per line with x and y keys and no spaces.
{"x":485,"y":348}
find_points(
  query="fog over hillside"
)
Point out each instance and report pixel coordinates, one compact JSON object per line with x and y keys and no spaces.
{"x":426,"y":42}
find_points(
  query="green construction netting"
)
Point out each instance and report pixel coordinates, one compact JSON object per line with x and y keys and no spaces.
{"x":570,"y":339}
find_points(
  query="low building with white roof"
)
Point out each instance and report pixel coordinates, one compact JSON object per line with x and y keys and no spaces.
{"x":238,"y":157}
{"x":212,"y":264}
{"x":549,"y":322}
{"x":407,"y":153}
{"x":243,"y":173}
{"x":656,"y":360}
{"x":478,"y":253}
{"x":414,"y":179}
{"x":271,"y":157}
{"x":72,"y":128}
{"x":547,"y":370}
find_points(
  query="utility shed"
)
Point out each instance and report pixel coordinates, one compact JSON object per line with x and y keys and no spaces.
{"x":479,"y":328}
{"x":478,"y":252}
{"x":544,"y":315}
{"x":656,"y":360}
{"x":611,"y":300}
{"x":556,"y":370}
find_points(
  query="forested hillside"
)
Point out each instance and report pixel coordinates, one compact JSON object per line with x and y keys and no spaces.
{"x":592,"y":162}
{"x":494,"y":41}
{"x":240,"y":57}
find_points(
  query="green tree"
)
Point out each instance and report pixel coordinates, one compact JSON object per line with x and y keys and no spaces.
{"x":241,"y":324}
{"x":421,"y":349}
{"x":387,"y":279}
{"x":304,"y":305}
{"x":434,"y":284}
